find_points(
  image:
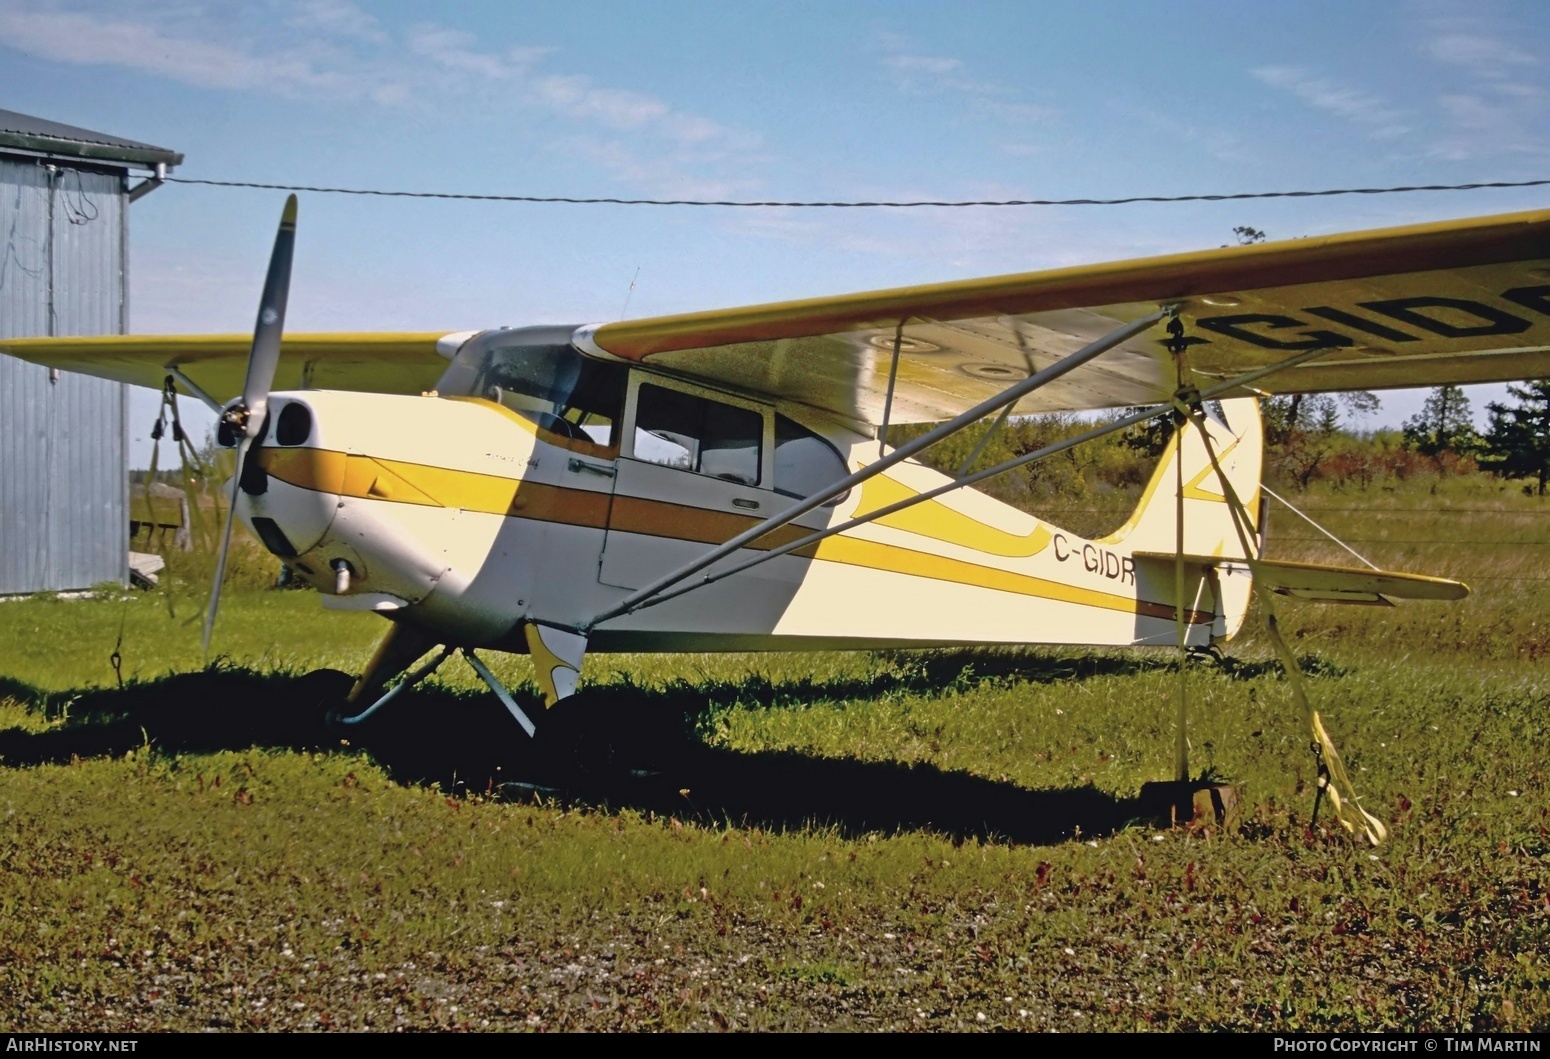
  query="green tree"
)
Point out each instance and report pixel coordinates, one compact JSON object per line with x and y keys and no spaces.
{"x":1444,"y":424}
{"x":1517,"y":443}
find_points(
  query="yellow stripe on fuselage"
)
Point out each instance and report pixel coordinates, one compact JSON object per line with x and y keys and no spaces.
{"x":394,"y":481}
{"x":939,"y":522}
{"x":853,"y":551}
{"x":368,"y":478}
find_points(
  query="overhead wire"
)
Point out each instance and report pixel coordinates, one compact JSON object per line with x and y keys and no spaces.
{"x":860,"y":204}
{"x":1395,"y":540}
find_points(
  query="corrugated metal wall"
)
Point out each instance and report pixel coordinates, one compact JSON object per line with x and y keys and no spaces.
{"x":64,"y":495}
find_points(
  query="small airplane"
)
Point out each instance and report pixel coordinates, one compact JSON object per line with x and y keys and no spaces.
{"x":724,"y":480}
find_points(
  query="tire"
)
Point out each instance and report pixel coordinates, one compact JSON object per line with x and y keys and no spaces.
{"x":321,"y":693}
{"x":603,"y":737}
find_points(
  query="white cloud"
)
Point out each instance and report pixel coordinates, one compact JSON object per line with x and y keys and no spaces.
{"x":1337,"y":98}
{"x":1481,"y":123}
{"x":945,"y":74}
{"x":573,"y":95}
{"x":84,"y":40}
{"x":935,"y":65}
{"x":659,"y":174}
{"x":453,"y":50}
{"x":1480,"y":54}
{"x":577,"y":96}
{"x":339,"y":18}
{"x":336,"y":50}
{"x":1495,"y":101}
{"x":1214,"y":141}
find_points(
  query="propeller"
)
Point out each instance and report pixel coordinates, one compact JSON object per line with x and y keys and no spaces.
{"x":244,"y":418}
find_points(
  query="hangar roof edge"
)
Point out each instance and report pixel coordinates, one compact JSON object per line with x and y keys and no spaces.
{"x":24,"y":132}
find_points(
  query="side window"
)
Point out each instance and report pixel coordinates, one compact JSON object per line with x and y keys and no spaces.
{"x":804,"y":462}
{"x":681,"y":430}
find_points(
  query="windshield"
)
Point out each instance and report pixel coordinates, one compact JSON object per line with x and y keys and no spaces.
{"x":535,"y":372}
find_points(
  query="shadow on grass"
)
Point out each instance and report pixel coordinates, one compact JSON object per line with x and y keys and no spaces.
{"x":469,"y":743}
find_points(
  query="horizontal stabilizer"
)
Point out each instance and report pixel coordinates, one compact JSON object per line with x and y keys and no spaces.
{"x":1334,"y":584}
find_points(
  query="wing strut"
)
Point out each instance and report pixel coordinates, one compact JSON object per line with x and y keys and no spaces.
{"x":973,"y":479}
{"x":193,"y":387}
{"x":893,"y":378}
{"x":1181,"y":627}
{"x":968,"y":464}
{"x":1011,"y":395}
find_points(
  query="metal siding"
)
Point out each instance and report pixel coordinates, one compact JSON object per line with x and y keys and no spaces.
{"x":64,"y":518}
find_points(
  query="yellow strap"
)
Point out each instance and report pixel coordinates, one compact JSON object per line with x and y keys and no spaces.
{"x":1347,"y":806}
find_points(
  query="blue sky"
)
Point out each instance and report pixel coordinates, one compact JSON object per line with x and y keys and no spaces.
{"x":755,"y":100}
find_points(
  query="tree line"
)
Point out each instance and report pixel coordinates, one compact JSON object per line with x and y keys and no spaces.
{"x":1515,"y":443}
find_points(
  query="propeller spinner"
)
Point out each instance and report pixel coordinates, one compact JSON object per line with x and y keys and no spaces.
{"x":243,"y":419}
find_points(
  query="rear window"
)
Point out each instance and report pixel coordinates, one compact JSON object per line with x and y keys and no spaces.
{"x":804,"y":462}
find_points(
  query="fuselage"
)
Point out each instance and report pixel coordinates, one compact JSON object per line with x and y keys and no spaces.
{"x":468,"y":515}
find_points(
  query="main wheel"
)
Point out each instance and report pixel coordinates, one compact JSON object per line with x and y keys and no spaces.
{"x":320,"y":694}
{"x":601,"y":736}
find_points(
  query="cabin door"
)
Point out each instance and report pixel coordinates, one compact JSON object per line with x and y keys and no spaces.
{"x":691,"y":474}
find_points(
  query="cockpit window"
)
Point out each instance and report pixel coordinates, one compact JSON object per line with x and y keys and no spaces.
{"x":546,"y":381}
{"x":557,"y":388}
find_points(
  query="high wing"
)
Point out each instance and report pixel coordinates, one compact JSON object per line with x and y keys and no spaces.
{"x":1427,"y":305}
{"x":407,"y":363}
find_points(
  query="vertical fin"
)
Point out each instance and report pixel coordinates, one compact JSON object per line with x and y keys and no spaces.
{"x":1238,"y":440}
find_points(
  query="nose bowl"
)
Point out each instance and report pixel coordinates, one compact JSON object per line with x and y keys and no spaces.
{"x":300,"y":499}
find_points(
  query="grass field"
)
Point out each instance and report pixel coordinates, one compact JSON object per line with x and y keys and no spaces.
{"x":932,"y":840}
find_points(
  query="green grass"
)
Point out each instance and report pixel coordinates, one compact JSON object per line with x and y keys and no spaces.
{"x":932,"y":840}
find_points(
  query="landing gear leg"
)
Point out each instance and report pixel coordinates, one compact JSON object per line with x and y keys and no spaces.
{"x":398,"y":649}
{"x":557,"y":655}
{"x":501,"y":693}
{"x":403,"y":685}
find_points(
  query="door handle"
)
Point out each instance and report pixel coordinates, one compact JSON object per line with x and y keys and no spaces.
{"x":749,"y":505}
{"x":576,"y":464}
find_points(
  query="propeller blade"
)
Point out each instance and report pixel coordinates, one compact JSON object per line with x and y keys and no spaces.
{"x":262,"y":362}
{"x":265,"y":357}
{"x":220,"y":562}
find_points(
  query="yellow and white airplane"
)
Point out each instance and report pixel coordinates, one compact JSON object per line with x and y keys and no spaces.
{"x":722,"y":480}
